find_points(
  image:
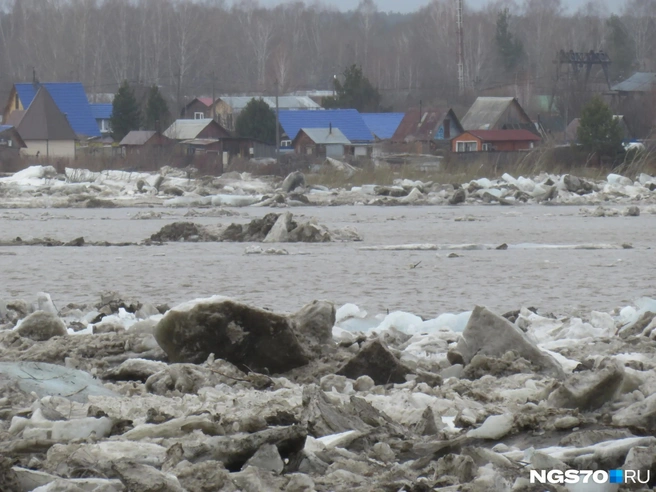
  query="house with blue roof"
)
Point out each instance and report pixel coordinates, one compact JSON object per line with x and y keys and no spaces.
{"x":348,"y":121}
{"x":382,"y":125}
{"x":102,"y":113}
{"x":69,"y":98}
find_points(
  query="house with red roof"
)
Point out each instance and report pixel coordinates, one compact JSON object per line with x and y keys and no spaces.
{"x":494,"y":141}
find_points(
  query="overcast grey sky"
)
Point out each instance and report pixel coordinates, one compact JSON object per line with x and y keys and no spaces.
{"x":412,"y":5}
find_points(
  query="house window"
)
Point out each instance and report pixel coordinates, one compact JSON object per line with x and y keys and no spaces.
{"x":199,"y":116}
{"x":466,"y":146}
{"x":487,"y":147}
{"x":16,"y":102}
{"x":104,"y":126}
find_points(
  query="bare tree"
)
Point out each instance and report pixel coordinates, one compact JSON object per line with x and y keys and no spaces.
{"x":366,"y":15}
{"x":640,"y":20}
{"x":258,"y":28}
{"x":177,"y":43}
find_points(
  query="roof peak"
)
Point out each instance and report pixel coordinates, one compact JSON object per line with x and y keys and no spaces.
{"x":43,"y":120}
{"x":70,"y":99}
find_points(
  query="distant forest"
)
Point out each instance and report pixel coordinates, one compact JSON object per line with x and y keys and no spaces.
{"x":189,"y":47}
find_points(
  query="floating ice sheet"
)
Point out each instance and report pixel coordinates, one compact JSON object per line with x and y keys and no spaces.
{"x":475,"y":247}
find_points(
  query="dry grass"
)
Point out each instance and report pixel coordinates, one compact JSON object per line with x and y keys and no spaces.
{"x":453,"y":168}
{"x":464,"y":168}
{"x":638,"y":162}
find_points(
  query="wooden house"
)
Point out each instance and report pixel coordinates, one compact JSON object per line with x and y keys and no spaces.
{"x":69,"y":98}
{"x":321,"y":142}
{"x":494,"y":141}
{"x":138,"y":141}
{"x":199,"y":108}
{"x":426,"y":130}
{"x":191,"y":129}
{"x":497,"y":113}
{"x":45,"y":129}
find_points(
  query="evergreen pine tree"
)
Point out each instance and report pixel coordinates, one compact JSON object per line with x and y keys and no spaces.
{"x":599,"y":131}
{"x":510,"y":50}
{"x":355,"y":93}
{"x":257,"y":120}
{"x":125,"y":112}
{"x":157,"y":111}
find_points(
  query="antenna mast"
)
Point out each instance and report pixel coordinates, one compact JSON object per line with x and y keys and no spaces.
{"x":461,"y":47}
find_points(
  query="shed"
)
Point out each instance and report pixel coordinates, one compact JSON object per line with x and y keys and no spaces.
{"x":45,"y":129}
{"x":192,"y":129}
{"x":139,"y":140}
{"x":494,"y":140}
{"x":247,"y":147}
{"x":496,"y":113}
{"x":321,"y":142}
{"x":229,"y":147}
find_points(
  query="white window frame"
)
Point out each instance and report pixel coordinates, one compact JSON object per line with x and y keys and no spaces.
{"x":487,"y":147}
{"x":198,"y":115}
{"x":104,"y":126}
{"x":461,"y":146}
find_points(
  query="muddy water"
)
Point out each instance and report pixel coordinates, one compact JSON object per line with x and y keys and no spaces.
{"x":562,"y":281}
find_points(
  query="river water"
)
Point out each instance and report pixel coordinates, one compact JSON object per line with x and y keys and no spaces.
{"x":556,"y":280}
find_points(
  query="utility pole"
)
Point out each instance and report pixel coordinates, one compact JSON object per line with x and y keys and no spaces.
{"x":213,"y":98}
{"x":461,"y":48}
{"x":277,"y":127}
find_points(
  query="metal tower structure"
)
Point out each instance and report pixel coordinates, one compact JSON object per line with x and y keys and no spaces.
{"x":461,"y":47}
{"x":574,"y":63}
{"x":578,"y":61}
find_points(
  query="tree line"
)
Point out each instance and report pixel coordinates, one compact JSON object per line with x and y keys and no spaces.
{"x":189,"y":48}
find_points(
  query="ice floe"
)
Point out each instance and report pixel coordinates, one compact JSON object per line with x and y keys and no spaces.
{"x":483,"y":398}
